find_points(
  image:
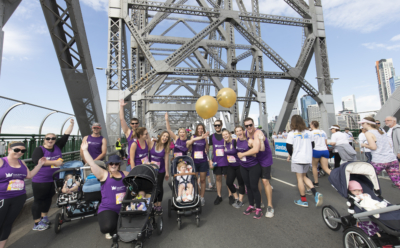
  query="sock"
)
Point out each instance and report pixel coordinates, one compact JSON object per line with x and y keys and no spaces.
{"x":303,"y":198}
{"x":313,"y":191}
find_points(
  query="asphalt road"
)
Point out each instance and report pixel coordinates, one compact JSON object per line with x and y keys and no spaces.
{"x":224,"y":226}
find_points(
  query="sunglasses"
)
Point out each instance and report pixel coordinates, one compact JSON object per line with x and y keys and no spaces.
{"x":377,"y":123}
{"x":112,"y":164}
{"x":17,"y":150}
{"x":96,"y":128}
{"x":250,"y":125}
{"x":217,"y":125}
{"x":134,"y":123}
{"x":48,"y":138}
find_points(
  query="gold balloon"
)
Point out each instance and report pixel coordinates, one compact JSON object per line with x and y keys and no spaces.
{"x":206,"y":107}
{"x":226,"y":97}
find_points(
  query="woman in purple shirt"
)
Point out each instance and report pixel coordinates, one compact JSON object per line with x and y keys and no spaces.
{"x":13,"y":171}
{"x":112,"y":190}
{"x":180,"y":148}
{"x":159,"y":154}
{"x":139,"y":153}
{"x":42,"y":183}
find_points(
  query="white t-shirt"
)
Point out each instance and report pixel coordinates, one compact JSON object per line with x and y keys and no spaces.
{"x":363,"y":140}
{"x":302,"y":147}
{"x":319,"y":137}
{"x":284,"y":135}
{"x":274,"y":137}
{"x":339,"y":138}
{"x":389,"y":134}
{"x":280,"y":136}
{"x":349,"y":136}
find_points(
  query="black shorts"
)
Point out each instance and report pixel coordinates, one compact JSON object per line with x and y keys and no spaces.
{"x":266,"y":172}
{"x":223,"y":170}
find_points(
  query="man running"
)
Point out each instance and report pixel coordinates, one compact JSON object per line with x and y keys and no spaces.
{"x":264,"y":159}
{"x":97,"y":143}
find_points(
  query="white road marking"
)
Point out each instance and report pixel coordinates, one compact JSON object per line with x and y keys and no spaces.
{"x":284,"y":182}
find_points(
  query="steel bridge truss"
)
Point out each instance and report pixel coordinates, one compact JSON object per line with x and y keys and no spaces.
{"x":201,"y":63}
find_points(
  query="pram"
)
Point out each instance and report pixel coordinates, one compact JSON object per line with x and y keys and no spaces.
{"x":184,"y":208}
{"x":84,"y":205}
{"x":137,"y":225}
{"x":387,"y":226}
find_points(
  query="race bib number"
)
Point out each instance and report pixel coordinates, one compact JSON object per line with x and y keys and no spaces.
{"x":219,"y":152}
{"x":231,"y":159}
{"x":16,"y":185}
{"x":243,"y":159}
{"x":54,"y":167}
{"x":119,"y":197}
{"x":177,"y":154}
{"x":198,"y":154}
{"x":145,"y":160}
{"x":156,"y":163}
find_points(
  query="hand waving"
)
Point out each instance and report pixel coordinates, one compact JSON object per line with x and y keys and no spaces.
{"x":84,"y":146}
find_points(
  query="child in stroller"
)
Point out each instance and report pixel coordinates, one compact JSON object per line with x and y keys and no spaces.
{"x":69,"y":190}
{"x":185,"y":188}
{"x":141,"y":205}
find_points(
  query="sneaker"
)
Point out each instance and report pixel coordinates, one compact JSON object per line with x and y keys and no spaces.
{"x":249,"y":210}
{"x":258,"y":214}
{"x":262,"y":205}
{"x":231,"y":200}
{"x":301,"y":203}
{"x":203,"y":201}
{"x":45,"y":220}
{"x":179,"y":199}
{"x":319,"y":199}
{"x":190,"y":198}
{"x":316,"y":185}
{"x":218,"y":200}
{"x":238,"y":204}
{"x":270,"y":212}
{"x":159,"y":210}
{"x":108,"y":236}
{"x":308,"y":192}
{"x":40,"y":226}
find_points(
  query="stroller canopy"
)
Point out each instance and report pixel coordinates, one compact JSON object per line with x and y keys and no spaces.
{"x":145,"y":171}
{"x":362,"y":171}
{"x":186,"y":159}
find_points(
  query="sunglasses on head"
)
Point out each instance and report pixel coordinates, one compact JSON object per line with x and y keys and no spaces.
{"x":217,"y":125}
{"x":250,"y":125}
{"x":48,"y":138}
{"x":134,"y":123}
{"x":17,"y":150}
{"x":112,"y":164}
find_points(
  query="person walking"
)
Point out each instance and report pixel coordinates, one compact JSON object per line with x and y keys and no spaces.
{"x":42,"y":183}
{"x":97,"y":143}
{"x":320,"y":151}
{"x":119,"y":148}
{"x":363,"y":140}
{"x":350,"y":137}
{"x":13,"y":172}
{"x":383,"y":157}
{"x":378,"y":126}
{"x":299,"y":144}
{"x":394,"y":134}
{"x":337,"y":138}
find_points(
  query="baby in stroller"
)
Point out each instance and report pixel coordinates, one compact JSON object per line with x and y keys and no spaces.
{"x":140,"y":205}
{"x":69,"y":190}
{"x":185,"y":188}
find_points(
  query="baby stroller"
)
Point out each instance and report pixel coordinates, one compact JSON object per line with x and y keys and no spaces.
{"x":387,"y":226}
{"x":184,"y":208}
{"x":136,"y":225}
{"x":80,"y":205}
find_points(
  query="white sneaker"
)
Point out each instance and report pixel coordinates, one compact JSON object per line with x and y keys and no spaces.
{"x":203,"y":201}
{"x":108,"y":236}
{"x":270,"y":212}
{"x":190,"y":198}
{"x":179,"y":199}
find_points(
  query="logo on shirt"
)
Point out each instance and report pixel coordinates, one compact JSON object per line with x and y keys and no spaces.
{"x":219,"y":145}
{"x":9,"y":175}
{"x":113,"y":188}
{"x":306,"y":136}
{"x":142,"y":155}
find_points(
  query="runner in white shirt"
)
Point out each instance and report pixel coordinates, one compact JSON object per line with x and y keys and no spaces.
{"x":284,"y":134}
{"x":280,"y":135}
{"x":299,"y":145}
{"x":337,"y":138}
{"x":363,"y":140}
{"x":320,"y":151}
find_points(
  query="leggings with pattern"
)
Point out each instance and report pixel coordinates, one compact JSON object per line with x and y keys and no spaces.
{"x":392,"y":169}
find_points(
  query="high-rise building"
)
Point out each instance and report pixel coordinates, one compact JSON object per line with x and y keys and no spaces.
{"x":394,"y":83}
{"x":348,"y":119}
{"x":349,"y":103}
{"x":384,"y":71}
{"x":314,"y":114}
{"x":306,"y":101}
{"x":295,"y":110}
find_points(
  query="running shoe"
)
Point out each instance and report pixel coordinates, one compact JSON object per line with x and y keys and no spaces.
{"x":270,"y":212}
{"x":40,"y":226}
{"x":319,"y":199}
{"x":308,"y":192}
{"x":238,"y":204}
{"x":108,"y":236}
{"x":179,"y":199}
{"x":203,"y":201}
{"x":231,"y":200}
{"x":218,"y":200}
{"x":258,"y":214}
{"x":249,"y":210}
{"x":45,"y":220}
{"x":159,"y":210}
{"x":262,"y":205}
{"x":316,"y":185}
{"x":301,"y":203}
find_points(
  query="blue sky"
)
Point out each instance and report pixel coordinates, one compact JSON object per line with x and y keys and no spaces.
{"x":359,"y":32}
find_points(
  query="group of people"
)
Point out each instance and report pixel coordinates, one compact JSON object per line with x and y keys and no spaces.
{"x":244,"y":156}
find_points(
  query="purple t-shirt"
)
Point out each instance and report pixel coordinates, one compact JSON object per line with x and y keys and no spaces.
{"x":198,"y":151}
{"x":264,"y":157}
{"x":95,"y":144}
{"x":231,"y":153}
{"x":141,"y":155}
{"x":112,"y":194}
{"x":130,"y":141}
{"x":219,"y":152}
{"x":12,"y":182}
{"x":158,"y":158}
{"x":180,"y":148}
{"x":45,"y":174}
{"x":246,"y":161}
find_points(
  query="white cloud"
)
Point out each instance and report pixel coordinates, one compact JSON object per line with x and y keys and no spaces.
{"x":17,"y":42}
{"x":395,"y":38}
{"x":98,"y":5}
{"x":368,"y":103}
{"x":374,"y":45}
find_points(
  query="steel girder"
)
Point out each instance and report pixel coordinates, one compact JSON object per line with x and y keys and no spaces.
{"x":68,"y":34}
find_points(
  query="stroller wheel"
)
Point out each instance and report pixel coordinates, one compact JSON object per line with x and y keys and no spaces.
{"x":179,"y":224}
{"x":197,"y":222}
{"x":329,"y":212}
{"x":159,"y":223}
{"x":169,"y":208}
{"x":137,"y":245}
{"x":57,"y":223}
{"x":356,"y":237}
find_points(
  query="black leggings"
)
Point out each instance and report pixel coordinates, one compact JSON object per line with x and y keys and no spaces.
{"x":160,"y":188}
{"x":251,"y":176}
{"x":108,"y":221}
{"x":337,"y":159}
{"x":9,"y":210}
{"x":42,"y":195}
{"x":234,"y":172}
